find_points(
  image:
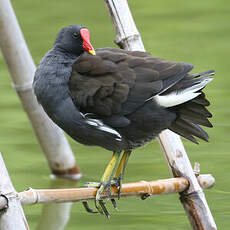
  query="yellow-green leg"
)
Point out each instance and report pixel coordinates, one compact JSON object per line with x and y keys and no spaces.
{"x":106,"y":183}
{"x":121,"y":170}
{"x":113,"y":175}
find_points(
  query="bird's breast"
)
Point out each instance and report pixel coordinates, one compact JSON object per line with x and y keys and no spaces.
{"x":51,"y":82}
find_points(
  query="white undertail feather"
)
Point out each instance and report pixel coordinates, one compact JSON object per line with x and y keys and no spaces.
{"x":181,"y":96}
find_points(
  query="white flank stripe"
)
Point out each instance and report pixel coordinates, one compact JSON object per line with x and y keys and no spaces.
{"x":92,"y":123}
{"x":118,"y":139}
{"x":109,"y":130}
{"x":101,"y":126}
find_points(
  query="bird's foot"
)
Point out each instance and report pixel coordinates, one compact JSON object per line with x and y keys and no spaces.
{"x":104,"y":189}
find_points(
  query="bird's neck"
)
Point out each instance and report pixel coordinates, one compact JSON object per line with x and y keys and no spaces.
{"x":52,"y":77}
{"x":60,"y":56}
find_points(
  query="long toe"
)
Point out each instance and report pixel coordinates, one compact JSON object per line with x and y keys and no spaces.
{"x":105,"y":189}
{"x":87,"y":208}
{"x":103,"y":207}
{"x":114,"y":204}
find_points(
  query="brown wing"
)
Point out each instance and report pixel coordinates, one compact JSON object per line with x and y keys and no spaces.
{"x":118,"y":82}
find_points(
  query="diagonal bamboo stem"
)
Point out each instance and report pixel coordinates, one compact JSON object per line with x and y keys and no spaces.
{"x":21,"y":67}
{"x":193,"y":200}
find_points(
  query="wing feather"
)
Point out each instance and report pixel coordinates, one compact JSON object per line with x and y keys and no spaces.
{"x":118,"y":82}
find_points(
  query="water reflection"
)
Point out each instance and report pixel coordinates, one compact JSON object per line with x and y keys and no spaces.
{"x":55,"y":216}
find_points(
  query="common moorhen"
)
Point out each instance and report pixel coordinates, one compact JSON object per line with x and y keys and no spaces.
{"x":118,"y":99}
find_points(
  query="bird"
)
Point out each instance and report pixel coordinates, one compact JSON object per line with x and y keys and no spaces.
{"x":118,"y":100}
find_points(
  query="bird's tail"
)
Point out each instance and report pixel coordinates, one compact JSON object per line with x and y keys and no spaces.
{"x":189,"y":103}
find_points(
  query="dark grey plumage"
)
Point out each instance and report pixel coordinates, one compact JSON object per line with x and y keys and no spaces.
{"x":109,"y":99}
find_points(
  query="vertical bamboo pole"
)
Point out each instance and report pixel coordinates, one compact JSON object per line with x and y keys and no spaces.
{"x":193,"y":199}
{"x":13,"y":216}
{"x":21,"y":67}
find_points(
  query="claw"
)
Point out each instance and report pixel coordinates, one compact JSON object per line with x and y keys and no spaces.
{"x":87,"y":208}
{"x":105,"y":211}
{"x":114,"y":204}
{"x":98,"y":207}
{"x":145,"y":196}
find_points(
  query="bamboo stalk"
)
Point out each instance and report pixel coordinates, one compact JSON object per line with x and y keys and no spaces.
{"x":21,"y":67}
{"x":12,"y":217}
{"x":33,"y":196}
{"x":136,"y":189}
{"x":193,"y":200}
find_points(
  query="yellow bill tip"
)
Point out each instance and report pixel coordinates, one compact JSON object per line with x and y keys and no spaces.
{"x":92,"y":52}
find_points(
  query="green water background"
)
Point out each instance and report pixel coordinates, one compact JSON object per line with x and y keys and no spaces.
{"x":196,"y":32}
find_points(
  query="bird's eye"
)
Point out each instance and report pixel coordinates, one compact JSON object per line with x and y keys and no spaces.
{"x":75,"y":35}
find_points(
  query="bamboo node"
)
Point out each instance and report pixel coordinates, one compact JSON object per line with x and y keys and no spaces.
{"x":22,"y":88}
{"x":149,"y":190}
{"x":32,"y":195}
{"x":121,"y":40}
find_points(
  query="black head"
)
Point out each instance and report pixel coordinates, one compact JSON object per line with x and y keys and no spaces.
{"x":74,"y":39}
